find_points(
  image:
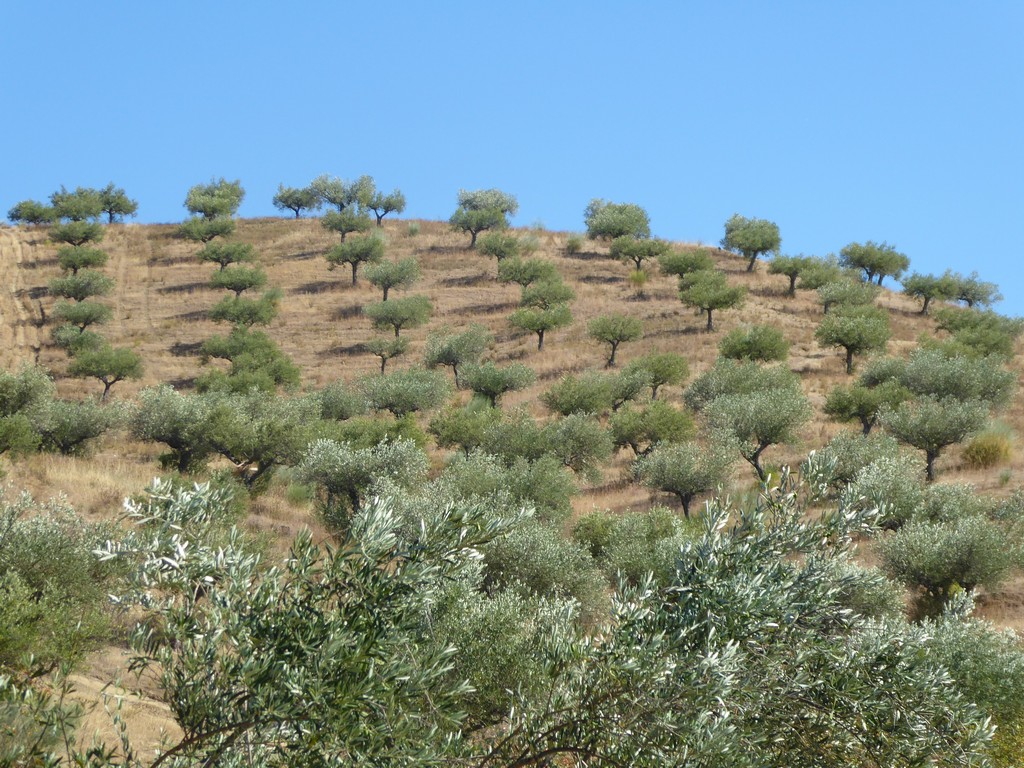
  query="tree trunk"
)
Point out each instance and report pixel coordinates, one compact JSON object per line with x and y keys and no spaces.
{"x":355,"y":266}
{"x":386,"y":287}
{"x":849,"y":362}
{"x":380,"y":217}
{"x":540,"y":340}
{"x":472,"y":242}
{"x":711,"y":325}
{"x":929,"y":469}
{"x":750,"y":265}
{"x":383,"y":362}
{"x":792,"y":285}
{"x":924,"y":309}
{"x":866,"y":425}
{"x":654,"y":391}
{"x":611,"y":360}
{"x":685,"y":501}
{"x":397,"y":329}
{"x":106,"y":389}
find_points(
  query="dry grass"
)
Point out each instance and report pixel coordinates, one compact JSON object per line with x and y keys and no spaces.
{"x":162,"y":296}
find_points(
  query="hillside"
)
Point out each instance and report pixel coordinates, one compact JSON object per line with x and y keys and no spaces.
{"x":162,"y":296}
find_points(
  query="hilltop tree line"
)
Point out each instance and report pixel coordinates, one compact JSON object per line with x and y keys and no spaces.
{"x":482,"y":634}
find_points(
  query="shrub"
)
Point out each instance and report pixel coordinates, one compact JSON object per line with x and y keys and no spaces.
{"x":988,"y":449}
{"x":758,"y":342}
{"x":850,"y":452}
{"x":573,"y":244}
{"x":500,"y":245}
{"x":412,"y":229}
{"x":893,"y":484}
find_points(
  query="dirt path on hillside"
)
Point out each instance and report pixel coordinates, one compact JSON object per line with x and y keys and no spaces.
{"x":20,"y":320}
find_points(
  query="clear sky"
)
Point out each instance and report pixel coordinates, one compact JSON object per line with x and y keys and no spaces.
{"x":840,"y":121}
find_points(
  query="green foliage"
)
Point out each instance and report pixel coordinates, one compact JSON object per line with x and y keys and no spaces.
{"x":73,"y":339}
{"x":846,"y":293}
{"x":858,"y":330}
{"x":751,"y":237}
{"x":978,"y":333}
{"x":176,"y":419}
{"x":543,"y":485}
{"x":573,"y":244}
{"x":580,"y":443}
{"x":409,"y":391}
{"x":868,"y":592}
{"x":382,"y":204}
{"x":463,"y":428}
{"x":685,"y":470}
{"x":662,"y":369}
{"x":524,"y":272}
{"x":29,"y":387}
{"x":847,"y":453}
{"x":82,"y":285}
{"x":890,"y":483}
{"x":500,"y":245}
{"x":256,"y":362}
{"x":539,"y":321}
{"x":116,"y":203}
{"x":84,"y":204}
{"x":988,"y":449}
{"x":930,"y":288}
{"x":614,"y":330}
{"x":709,"y":290}
{"x":107,"y":364}
{"x":399,"y":314}
{"x":644,"y":427}
{"x":932,"y":424}
{"x":588,"y":393}
{"x":53,"y":591}
{"x":30,"y":212}
{"x":391,"y":275}
{"x":634,"y":545}
{"x":72,"y":259}
{"x":861,"y":403}
{"x":224,"y":254}
{"x":341,"y":402}
{"x":607,"y":221}
{"x":875,"y":260}
{"x":296,"y":199}
{"x":361,"y":250}
{"x":81,"y":314}
{"x":218,"y":199}
{"x":345,"y":475}
{"x":342,"y":194}
{"x":243,"y":312}
{"x":737,"y":377}
{"x":491,"y":381}
{"x":942,"y":558}
{"x":457,"y":349}
{"x":535,"y":559}
{"x":76,"y":233}
{"x":386,"y":349}
{"x":683,"y":263}
{"x":761,"y":343}
{"x":628,"y":249}
{"x":346,"y":221}
{"x":975,"y":292}
{"x":482,"y":210}
{"x":202,"y":230}
{"x":761,"y":419}
{"x":67,"y":426}
{"x":937,"y":374}
{"x":792,"y":267}
{"x":822,"y":270}
{"x":239,"y":279}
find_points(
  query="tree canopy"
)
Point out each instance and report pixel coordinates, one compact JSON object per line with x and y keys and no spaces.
{"x":751,"y":237}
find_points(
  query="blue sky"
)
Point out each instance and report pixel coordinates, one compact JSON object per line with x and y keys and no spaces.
{"x":840,"y":121}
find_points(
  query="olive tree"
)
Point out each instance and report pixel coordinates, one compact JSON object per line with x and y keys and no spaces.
{"x":607,"y":221}
{"x":116,"y":204}
{"x":296,"y":199}
{"x":457,"y":349}
{"x":388,"y":275}
{"x":613,"y":330}
{"x":482,"y":210}
{"x":360,"y":250}
{"x":685,"y":469}
{"x":757,"y":342}
{"x":662,"y":369}
{"x":239,"y":279}
{"x":845,"y":292}
{"x":224,"y":254}
{"x":403,"y":392}
{"x":709,"y":291}
{"x":344,"y":195}
{"x":398,"y":314}
{"x":930,"y":288}
{"x":628,"y":249}
{"x":975,"y":292}
{"x":83,"y":204}
{"x":76,"y":233}
{"x":758,"y":420}
{"x":644,"y":427}
{"x":876,"y":260}
{"x":30,"y":212}
{"x":81,"y":285}
{"x":202,"y":230}
{"x":931,"y":424}
{"x":526,"y":272}
{"x":862,"y":403}
{"x":751,"y":237}
{"x":857,"y":330}
{"x":386,"y":349}
{"x":792,"y":267}
{"x":491,"y":381}
{"x":176,"y":419}
{"x":345,"y":222}
{"x":382,"y":204}
{"x":218,"y":199}
{"x":681,"y":263}
{"x":71,"y":258}
{"x":244,"y":312}
{"x":107,"y":364}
